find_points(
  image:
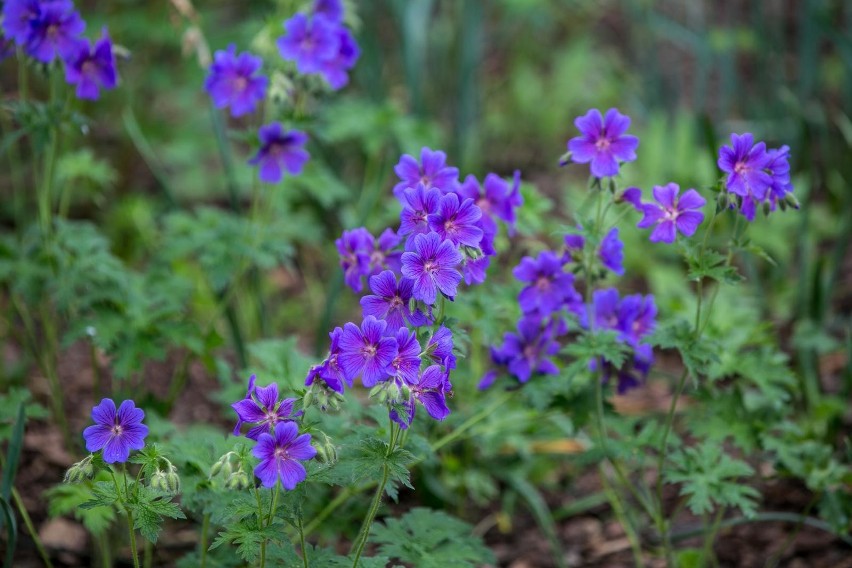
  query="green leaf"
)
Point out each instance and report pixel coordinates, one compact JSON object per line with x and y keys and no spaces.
{"x":430,"y":539}
{"x":678,"y":334}
{"x":711,"y":478}
{"x":708,"y":264}
{"x":149,"y":507}
{"x":11,"y":531}
{"x":13,"y":454}
{"x":248,"y":536}
{"x":68,"y":498}
{"x":373,"y":456}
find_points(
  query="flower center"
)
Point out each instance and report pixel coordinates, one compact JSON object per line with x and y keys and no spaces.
{"x":543,"y":283}
{"x":395,"y":303}
{"x":282,"y":454}
{"x":741,"y":167}
{"x":430,"y":267}
{"x":240,"y":83}
{"x":530,"y":352}
{"x":52,"y":31}
{"x":602,"y":144}
{"x":117,"y":430}
{"x":369,"y":351}
{"x":88,"y":67}
{"x":450,"y":226}
{"x":277,"y":148}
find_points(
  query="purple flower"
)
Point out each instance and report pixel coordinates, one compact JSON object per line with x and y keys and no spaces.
{"x":456,"y":221}
{"x":605,"y":305}
{"x":407,"y":360}
{"x":330,"y":371}
{"x":549,"y":286}
{"x":474,"y":270}
{"x":745,"y":162}
{"x":262,"y":408}
{"x":233,"y":81}
{"x":55,"y":31}
{"x":672,"y":214}
{"x":440,"y":348}
{"x":527,"y":351}
{"x":383,"y":256}
{"x":430,"y":391}
{"x":355,"y":248}
{"x":637,"y":317}
{"x":90,"y":69}
{"x":611,"y":252}
{"x":431,"y":171}
{"x":335,"y":70}
{"x":309,"y":41}
{"x":331,"y":9}
{"x":602,"y":142}
{"x":432,"y":267}
{"x":18,"y":19}
{"x":779,"y":169}
{"x":494,"y":198}
{"x":418,"y":203}
{"x":366,"y":352}
{"x":280,"y":150}
{"x":116,"y":432}
{"x":280,"y":453}
{"x":390,"y":301}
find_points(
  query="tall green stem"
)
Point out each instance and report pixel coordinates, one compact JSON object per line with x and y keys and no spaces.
{"x":131,"y":532}
{"x":260,"y":517}
{"x":364,"y":535}
{"x":205,"y":528}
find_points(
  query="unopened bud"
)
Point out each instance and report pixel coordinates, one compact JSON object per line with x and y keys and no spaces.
{"x":80,"y":471}
{"x":767,"y":209}
{"x":564,"y":159}
{"x":173,"y":482}
{"x":611,"y":186}
{"x":158,"y":481}
{"x":308,"y":399}
{"x":722,"y":201}
{"x":379,"y":393}
{"x":238,"y":480}
{"x":326,"y":450}
{"x":791,"y":200}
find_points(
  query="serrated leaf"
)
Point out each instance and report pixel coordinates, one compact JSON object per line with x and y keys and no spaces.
{"x":68,"y":498}
{"x":711,"y":478}
{"x":430,"y":539}
{"x":149,"y":507}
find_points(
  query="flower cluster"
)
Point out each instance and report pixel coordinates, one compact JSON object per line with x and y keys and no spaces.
{"x":51,"y":29}
{"x":446,"y":235}
{"x":319,"y":42}
{"x":756,"y":175}
{"x":552,"y":308}
{"x":279,"y":446}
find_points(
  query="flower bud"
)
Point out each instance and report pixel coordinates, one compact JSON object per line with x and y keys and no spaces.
{"x":767,"y":209}
{"x":380,"y":393}
{"x":173,"y":481}
{"x":80,"y":471}
{"x":308,"y":399}
{"x":791,"y":200}
{"x":564,"y":159}
{"x":238,"y":480}
{"x":326,"y":450}
{"x":722,"y":201}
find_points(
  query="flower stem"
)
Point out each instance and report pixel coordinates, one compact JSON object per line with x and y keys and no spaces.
{"x":260,"y":525}
{"x":205,"y":528}
{"x":302,"y":542}
{"x":134,"y":553}
{"x":28,"y":522}
{"x":364,"y":535}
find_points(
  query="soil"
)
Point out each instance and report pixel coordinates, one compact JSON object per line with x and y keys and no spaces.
{"x":592,"y":539}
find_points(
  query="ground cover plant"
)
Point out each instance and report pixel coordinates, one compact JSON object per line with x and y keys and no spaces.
{"x":264,"y":310}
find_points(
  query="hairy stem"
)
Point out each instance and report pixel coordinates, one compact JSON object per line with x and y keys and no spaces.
{"x":205,"y":528}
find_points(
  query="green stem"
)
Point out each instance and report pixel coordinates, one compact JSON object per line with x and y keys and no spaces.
{"x":621,"y":514}
{"x":364,"y":535}
{"x":147,"y":554}
{"x":28,"y":522}
{"x":23,"y":76}
{"x":302,"y":542}
{"x":770,"y":517}
{"x":226,"y":157}
{"x":134,"y":553}
{"x":710,"y":537}
{"x":205,"y":528}
{"x":260,"y":524}
{"x":50,"y":356}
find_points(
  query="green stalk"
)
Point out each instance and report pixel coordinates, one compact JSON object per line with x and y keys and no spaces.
{"x":710,"y":537}
{"x":28,"y":522}
{"x":130,"y":531}
{"x":364,"y":535}
{"x":302,"y":542}
{"x":260,"y":524}
{"x":205,"y":528}
{"x":621,"y":514}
